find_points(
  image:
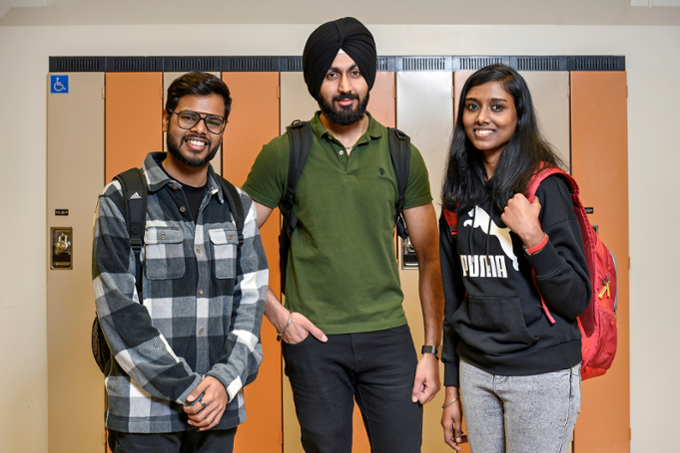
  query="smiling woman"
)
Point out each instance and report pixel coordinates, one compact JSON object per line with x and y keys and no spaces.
{"x":497,"y":248}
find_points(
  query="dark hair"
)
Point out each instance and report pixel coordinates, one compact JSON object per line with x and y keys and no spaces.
{"x":200,"y":84}
{"x":465,"y":181}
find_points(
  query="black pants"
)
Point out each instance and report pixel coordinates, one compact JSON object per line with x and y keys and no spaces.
{"x":375,"y":368}
{"x":190,"y":441}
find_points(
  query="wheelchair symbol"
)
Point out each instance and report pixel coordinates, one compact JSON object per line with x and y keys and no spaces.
{"x":59,"y":84}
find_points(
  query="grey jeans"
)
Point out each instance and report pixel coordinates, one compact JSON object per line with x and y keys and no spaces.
{"x":520,"y":414}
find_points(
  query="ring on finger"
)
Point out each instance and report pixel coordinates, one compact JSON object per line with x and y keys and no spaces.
{"x":202,"y":402}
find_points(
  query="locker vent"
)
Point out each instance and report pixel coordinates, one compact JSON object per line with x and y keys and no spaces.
{"x":475,"y":63}
{"x":186,"y":64}
{"x":595,"y":63}
{"x":555,"y":63}
{"x":290,"y":64}
{"x":134,"y":64}
{"x":386,"y":64}
{"x":425,"y":63}
{"x":250,"y":64}
{"x":77,"y":64}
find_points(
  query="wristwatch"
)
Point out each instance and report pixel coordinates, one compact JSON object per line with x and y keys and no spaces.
{"x":427,"y":349}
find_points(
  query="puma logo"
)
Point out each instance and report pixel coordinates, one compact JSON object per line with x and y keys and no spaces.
{"x":484,"y":223}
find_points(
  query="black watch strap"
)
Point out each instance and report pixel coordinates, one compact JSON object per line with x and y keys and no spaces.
{"x":430,"y":350}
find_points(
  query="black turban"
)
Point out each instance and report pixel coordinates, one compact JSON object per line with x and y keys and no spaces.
{"x":324,"y":43}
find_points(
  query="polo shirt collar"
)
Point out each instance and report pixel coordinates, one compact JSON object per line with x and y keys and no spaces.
{"x":373,"y":132}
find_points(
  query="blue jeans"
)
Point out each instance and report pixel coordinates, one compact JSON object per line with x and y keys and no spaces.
{"x":520,"y":414}
{"x":375,"y":368}
{"x":190,"y":441}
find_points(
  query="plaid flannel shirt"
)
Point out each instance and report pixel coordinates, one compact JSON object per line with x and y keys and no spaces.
{"x":202,"y":306}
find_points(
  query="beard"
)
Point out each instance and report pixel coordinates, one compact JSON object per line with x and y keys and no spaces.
{"x":173,"y":149}
{"x":345,"y":116}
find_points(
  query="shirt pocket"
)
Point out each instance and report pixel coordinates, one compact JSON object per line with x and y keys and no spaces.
{"x":224,"y":246}
{"x":164,"y":253}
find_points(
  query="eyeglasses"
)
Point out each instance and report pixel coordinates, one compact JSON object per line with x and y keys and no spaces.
{"x":188,"y":119}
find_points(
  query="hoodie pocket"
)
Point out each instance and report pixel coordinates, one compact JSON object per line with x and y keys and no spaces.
{"x":493,"y":326}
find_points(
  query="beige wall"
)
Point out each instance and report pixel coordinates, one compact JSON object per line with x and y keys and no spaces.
{"x":653,"y":64}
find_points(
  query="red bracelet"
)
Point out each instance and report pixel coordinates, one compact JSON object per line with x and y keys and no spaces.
{"x":538,"y":247}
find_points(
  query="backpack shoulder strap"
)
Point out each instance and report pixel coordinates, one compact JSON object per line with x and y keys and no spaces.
{"x":400,"y":152}
{"x":235,"y":204}
{"x":135,"y":194}
{"x":300,"y":137}
{"x":134,"y":187}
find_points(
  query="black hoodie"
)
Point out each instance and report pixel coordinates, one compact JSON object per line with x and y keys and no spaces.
{"x":493,"y":317}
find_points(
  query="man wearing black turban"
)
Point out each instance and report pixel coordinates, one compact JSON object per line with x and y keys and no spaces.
{"x":344,"y":331}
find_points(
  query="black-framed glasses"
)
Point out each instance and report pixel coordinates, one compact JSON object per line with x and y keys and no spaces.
{"x":186,"y":119}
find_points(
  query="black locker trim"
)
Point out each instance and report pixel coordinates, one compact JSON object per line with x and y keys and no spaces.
{"x":550,"y":63}
{"x":77,"y":64}
{"x":134,"y":64}
{"x":474,"y":63}
{"x":596,"y":63}
{"x":250,"y":64}
{"x":186,"y":64}
{"x":294,"y":63}
{"x":386,"y":64}
{"x":429,"y":64}
{"x":290,"y":64}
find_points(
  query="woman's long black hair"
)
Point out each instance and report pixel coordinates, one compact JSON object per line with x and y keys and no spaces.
{"x":465,"y":181}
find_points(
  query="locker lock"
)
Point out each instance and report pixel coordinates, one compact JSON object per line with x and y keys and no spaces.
{"x":61,"y":248}
{"x":409,"y":259}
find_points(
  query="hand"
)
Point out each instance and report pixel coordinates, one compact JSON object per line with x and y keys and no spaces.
{"x":426,"y":384}
{"x":452,"y":420}
{"x":522,"y":219}
{"x":300,"y":328}
{"x":215,"y":398}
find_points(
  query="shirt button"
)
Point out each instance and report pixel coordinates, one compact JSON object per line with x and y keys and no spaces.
{"x":342,"y":152}
{"x":231,"y":237}
{"x":174,"y":187}
{"x":198,"y":250}
{"x":182,"y":209}
{"x":200,"y":291}
{"x":162,"y":235}
{"x":200,"y":332}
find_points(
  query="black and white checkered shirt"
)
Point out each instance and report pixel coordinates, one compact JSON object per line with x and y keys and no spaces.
{"x":202,"y":306}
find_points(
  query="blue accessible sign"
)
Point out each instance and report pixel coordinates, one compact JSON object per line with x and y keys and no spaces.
{"x":59,"y":84}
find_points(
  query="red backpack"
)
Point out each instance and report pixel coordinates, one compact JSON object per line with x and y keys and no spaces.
{"x":598,"y":322}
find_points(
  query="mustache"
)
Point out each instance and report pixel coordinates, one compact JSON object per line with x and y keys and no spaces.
{"x":342,"y":97}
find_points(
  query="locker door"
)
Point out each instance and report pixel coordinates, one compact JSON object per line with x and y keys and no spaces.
{"x":550,"y":94}
{"x":134,"y":116}
{"x":296,"y":103}
{"x":600,"y":165}
{"x":254,"y":121}
{"x":168,"y":78}
{"x":425,"y":113}
{"x":75,"y":171}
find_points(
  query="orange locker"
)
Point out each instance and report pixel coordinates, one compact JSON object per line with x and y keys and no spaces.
{"x":134,"y":119}
{"x":599,"y":152}
{"x":253,"y":121}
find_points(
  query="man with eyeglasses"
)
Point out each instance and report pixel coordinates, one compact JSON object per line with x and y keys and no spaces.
{"x":183,"y":350}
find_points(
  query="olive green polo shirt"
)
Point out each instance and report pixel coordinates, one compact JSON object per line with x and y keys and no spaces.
{"x":342,"y":272}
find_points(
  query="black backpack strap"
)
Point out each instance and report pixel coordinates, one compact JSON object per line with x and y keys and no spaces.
{"x":135,"y":194}
{"x":300,"y":137}
{"x":235,"y":205}
{"x":400,"y":152}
